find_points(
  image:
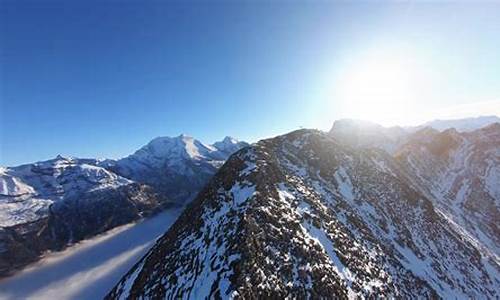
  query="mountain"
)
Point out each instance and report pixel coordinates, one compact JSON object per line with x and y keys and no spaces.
{"x":304,"y":216}
{"x":358,"y":133}
{"x":462,"y":125}
{"x":51,"y":204}
{"x":176,"y":167}
{"x":461,"y":170}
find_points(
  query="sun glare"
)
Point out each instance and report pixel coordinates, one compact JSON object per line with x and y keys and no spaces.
{"x":380,"y":87}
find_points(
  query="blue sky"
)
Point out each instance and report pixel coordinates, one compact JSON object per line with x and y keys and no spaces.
{"x":101,"y":79}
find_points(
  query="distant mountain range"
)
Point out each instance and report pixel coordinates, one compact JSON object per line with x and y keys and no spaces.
{"x":51,"y":204}
{"x":319,"y":215}
{"x":462,"y":125}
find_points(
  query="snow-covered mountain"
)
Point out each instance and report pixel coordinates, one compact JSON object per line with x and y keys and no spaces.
{"x":177,"y":167}
{"x":50,"y":204}
{"x":458,"y":170}
{"x":304,"y":216}
{"x":462,"y":125}
{"x":359,"y":133}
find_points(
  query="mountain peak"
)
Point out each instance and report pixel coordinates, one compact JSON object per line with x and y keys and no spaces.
{"x":230,"y":139}
{"x":64,"y":157}
{"x":177,"y":166}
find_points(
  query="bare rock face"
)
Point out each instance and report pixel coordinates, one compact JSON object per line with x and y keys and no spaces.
{"x":52,"y":204}
{"x":302,"y":216}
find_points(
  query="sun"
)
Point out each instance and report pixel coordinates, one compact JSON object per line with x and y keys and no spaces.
{"x":380,"y":87}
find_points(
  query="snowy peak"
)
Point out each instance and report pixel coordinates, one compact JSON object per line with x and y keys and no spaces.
{"x":176,"y":167}
{"x":186,"y":147}
{"x":229,"y":145}
{"x":180,"y":147}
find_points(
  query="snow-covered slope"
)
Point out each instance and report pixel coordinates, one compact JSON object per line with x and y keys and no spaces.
{"x":458,"y":171}
{"x":462,"y":173}
{"x":177,"y":167}
{"x":302,"y":216}
{"x":50,"y":204}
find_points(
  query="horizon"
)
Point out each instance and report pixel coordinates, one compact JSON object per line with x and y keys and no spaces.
{"x":423,"y":125}
{"x":88,"y":79}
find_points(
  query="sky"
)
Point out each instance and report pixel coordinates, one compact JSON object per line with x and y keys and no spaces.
{"x":101,"y":79}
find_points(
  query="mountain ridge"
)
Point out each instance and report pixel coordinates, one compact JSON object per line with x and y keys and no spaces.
{"x":301,"y":215}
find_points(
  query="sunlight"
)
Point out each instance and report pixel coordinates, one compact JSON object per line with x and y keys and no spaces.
{"x":382,"y":87}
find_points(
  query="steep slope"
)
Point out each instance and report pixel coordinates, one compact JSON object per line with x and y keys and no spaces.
{"x":177,"y":167}
{"x":50,"y":204}
{"x":462,"y":173}
{"x":302,"y":216}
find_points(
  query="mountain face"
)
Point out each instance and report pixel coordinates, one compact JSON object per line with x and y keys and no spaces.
{"x":458,"y":171}
{"x":176,"y":167}
{"x":303,"y":216}
{"x":461,"y":171}
{"x":48,"y":205}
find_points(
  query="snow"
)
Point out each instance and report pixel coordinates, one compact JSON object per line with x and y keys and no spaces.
{"x":176,"y":155}
{"x":241,"y":193}
{"x":228,"y":145}
{"x":250,"y":168}
{"x":87,"y":270}
{"x":492,"y":179}
{"x":345,"y":186}
{"x":24,"y":211}
{"x":322,"y":239}
{"x":210,"y":247}
{"x":12,"y":186}
{"x":26,"y":192}
{"x":127,"y":286}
